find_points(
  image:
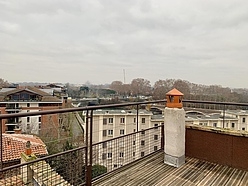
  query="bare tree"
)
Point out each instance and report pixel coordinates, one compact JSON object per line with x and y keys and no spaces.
{"x":140,"y":86}
{"x":3,"y":83}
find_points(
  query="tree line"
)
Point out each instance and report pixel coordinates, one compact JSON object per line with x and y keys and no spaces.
{"x":142,"y":87}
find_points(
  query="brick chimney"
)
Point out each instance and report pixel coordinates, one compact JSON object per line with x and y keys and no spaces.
{"x":26,"y":157}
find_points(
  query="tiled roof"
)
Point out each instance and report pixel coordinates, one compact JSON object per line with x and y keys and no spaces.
{"x":153,"y":171}
{"x":45,"y":96}
{"x":15,"y":144}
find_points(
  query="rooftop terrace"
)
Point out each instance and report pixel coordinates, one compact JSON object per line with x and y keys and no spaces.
{"x":153,"y":171}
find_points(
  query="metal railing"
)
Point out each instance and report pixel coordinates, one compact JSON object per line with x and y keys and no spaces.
{"x":80,"y":165}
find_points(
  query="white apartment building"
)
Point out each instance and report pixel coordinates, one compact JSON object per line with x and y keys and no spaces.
{"x":109,"y":124}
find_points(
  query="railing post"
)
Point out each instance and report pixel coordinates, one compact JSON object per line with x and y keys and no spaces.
{"x":1,"y":145}
{"x":88,"y":157}
{"x":162,"y":137}
{"x":224,"y":110}
{"x":137,"y":117}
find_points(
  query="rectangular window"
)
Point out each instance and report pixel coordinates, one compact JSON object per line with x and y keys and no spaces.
{"x":104,"y":133}
{"x":109,"y":155}
{"x":143,"y":132}
{"x":243,"y":128}
{"x":214,"y":124}
{"x":133,"y":142}
{"x":28,"y":119}
{"x":110,"y":132}
{"x":104,"y":121}
{"x":133,"y":153}
{"x":155,"y":148}
{"x":111,"y":120}
{"x":28,"y":104}
{"x":39,"y":126}
{"x":243,"y":120}
{"x":115,"y":165}
{"x":39,"y":119}
{"x":122,"y":120}
{"x":122,"y":132}
{"x":104,"y":145}
{"x":104,"y":156}
{"x":142,"y":142}
{"x":143,"y":120}
{"x":134,"y":130}
{"x":134,"y":120}
{"x":155,"y":137}
{"x":233,"y":125}
{"x":28,"y":126}
{"x":121,"y":154}
{"x":142,"y":154}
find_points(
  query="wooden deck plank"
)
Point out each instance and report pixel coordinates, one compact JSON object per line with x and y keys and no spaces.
{"x":152,"y":171}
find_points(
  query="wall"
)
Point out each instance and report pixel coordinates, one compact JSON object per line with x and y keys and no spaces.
{"x":222,"y":147}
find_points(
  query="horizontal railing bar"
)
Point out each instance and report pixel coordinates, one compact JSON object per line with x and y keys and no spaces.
{"x":56,"y":111}
{"x":215,"y":103}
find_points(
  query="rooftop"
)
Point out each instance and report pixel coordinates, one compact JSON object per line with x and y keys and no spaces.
{"x":152,"y":171}
{"x":15,"y":144}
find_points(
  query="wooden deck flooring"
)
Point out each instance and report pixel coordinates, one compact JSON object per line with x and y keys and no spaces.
{"x":152,"y":171}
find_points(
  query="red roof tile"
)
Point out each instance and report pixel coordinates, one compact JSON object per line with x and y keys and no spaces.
{"x":15,"y":144}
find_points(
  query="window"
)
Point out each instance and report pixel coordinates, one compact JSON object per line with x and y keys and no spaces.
{"x":39,"y":119}
{"x":243,"y":120}
{"x":39,"y":126}
{"x":104,"y":156}
{"x":109,"y":155}
{"x":104,"y":121}
{"x":121,"y":154}
{"x":233,"y":125}
{"x":104,"y":133}
{"x":155,"y":148}
{"x":243,"y":128}
{"x":142,"y":154}
{"x":155,"y":137}
{"x":110,"y":132}
{"x":133,"y":142}
{"x":156,"y":126}
{"x":134,"y":130}
{"x":214,"y":124}
{"x":104,"y":145}
{"x":143,"y":120}
{"x":28,"y":119}
{"x":122,"y":120}
{"x":28,"y":104}
{"x":122,"y":132}
{"x":143,"y":132}
{"x":28,"y":126}
{"x":133,"y":153}
{"x":111,"y":120}
{"x":115,"y":165}
{"x":142,"y":142}
{"x":134,"y":120}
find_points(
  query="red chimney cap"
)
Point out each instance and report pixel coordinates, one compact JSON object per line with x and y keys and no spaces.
{"x":174,"y":92}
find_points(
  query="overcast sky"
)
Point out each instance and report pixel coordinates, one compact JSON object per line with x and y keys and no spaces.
{"x":202,"y":41}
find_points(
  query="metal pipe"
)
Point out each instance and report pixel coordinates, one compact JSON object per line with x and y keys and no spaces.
{"x":137,"y":117}
{"x":1,"y":143}
{"x":87,"y":150}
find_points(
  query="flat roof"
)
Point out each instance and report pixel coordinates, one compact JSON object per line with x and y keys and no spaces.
{"x":151,"y":170}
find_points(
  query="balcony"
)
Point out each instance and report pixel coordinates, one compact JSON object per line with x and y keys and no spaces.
{"x":136,"y":158}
